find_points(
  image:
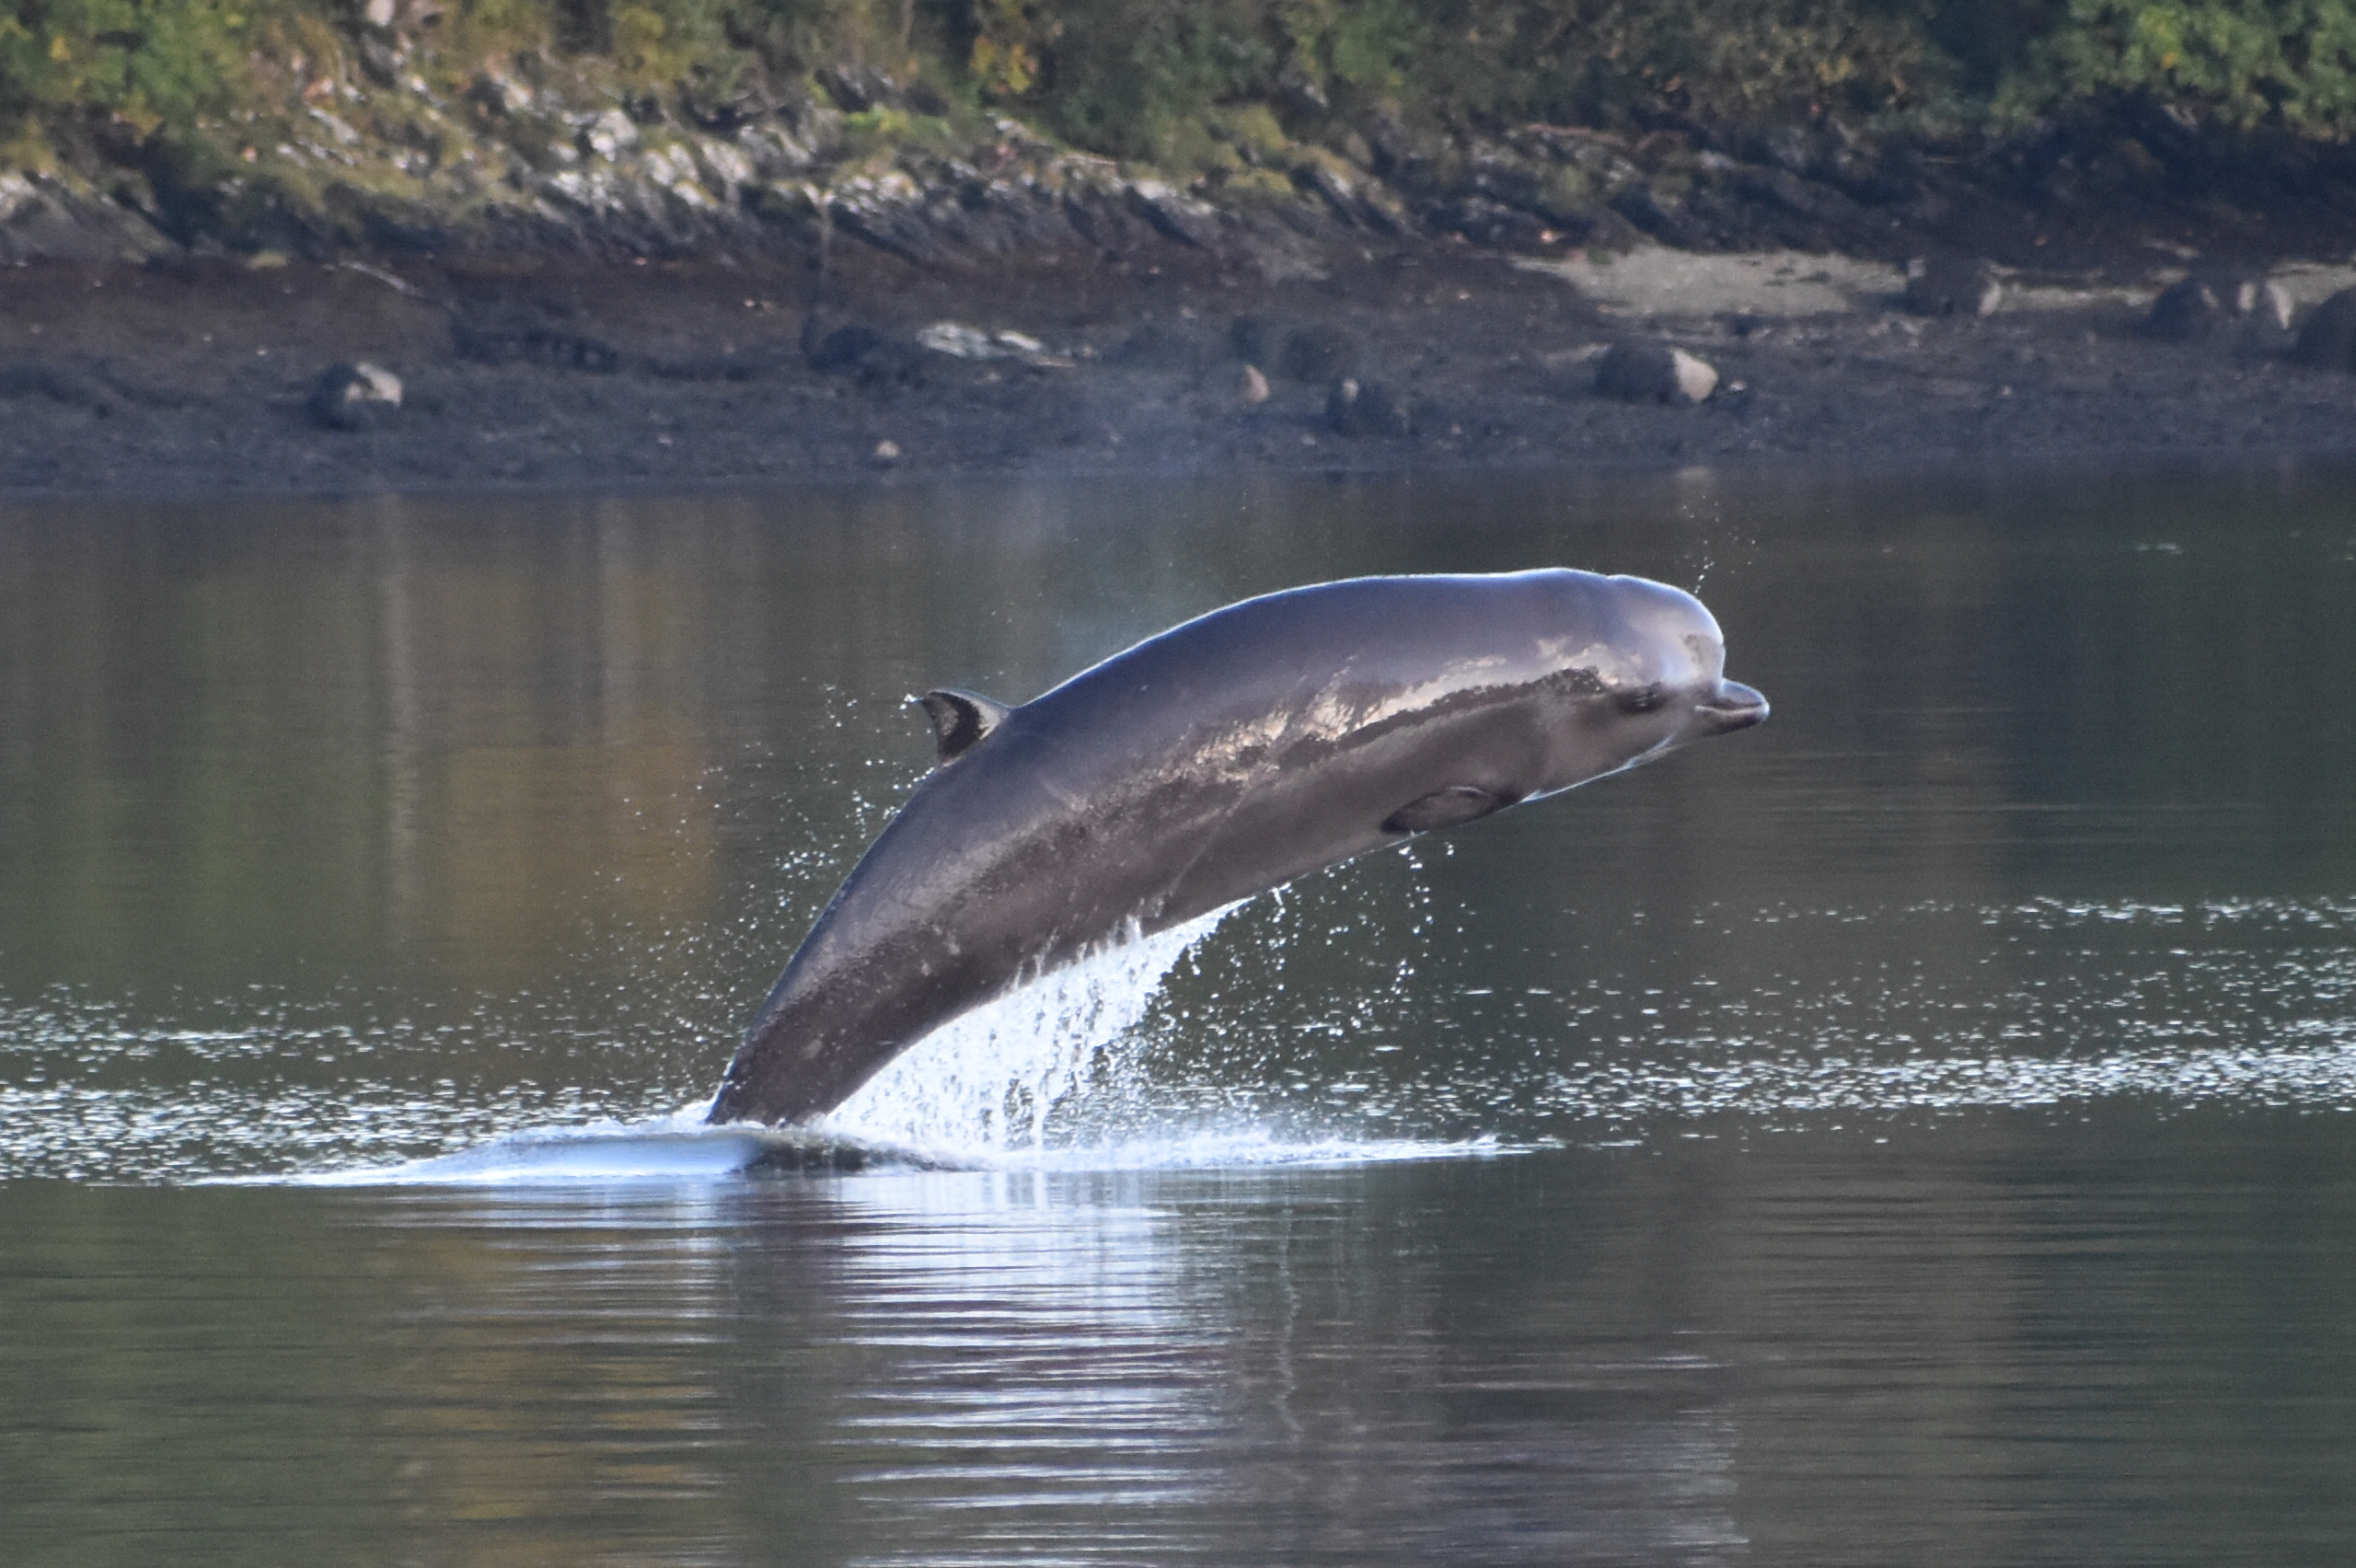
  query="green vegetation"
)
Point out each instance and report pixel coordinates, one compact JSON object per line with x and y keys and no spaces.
{"x":1192,"y":83}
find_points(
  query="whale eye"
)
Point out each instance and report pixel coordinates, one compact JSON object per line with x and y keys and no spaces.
{"x":1638,"y":700}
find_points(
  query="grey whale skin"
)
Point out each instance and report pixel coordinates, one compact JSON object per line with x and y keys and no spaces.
{"x":1223,"y":757}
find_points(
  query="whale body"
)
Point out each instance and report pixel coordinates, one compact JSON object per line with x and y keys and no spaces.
{"x":1224,"y":757}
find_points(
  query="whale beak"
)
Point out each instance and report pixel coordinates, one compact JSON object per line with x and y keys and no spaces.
{"x":1732,"y":707}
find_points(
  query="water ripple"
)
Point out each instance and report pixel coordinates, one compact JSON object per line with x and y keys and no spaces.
{"x":1949,"y":1009}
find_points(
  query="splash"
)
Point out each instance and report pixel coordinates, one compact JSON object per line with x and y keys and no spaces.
{"x":989,"y":1084}
{"x":676,"y":1148}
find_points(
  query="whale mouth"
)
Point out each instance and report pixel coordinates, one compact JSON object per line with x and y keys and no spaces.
{"x":1733,"y":706}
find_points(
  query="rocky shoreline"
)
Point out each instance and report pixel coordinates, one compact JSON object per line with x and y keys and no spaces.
{"x":563,"y":296}
{"x":205,"y":377}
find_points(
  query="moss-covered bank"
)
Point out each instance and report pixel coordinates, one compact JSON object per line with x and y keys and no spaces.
{"x":315,"y":125}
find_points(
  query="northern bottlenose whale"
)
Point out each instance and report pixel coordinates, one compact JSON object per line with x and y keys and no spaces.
{"x":1223,"y":757}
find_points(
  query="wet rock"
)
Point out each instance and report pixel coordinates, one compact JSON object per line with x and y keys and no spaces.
{"x":2328,"y":338}
{"x":1177,"y":217}
{"x":1318,"y":354}
{"x":47,"y":218}
{"x":871,"y":355}
{"x":1951,"y":285}
{"x":1485,"y":220}
{"x":961,"y":341}
{"x":2265,"y":300}
{"x":1361,"y":408}
{"x":526,"y":337}
{"x":1251,"y":387}
{"x":1787,"y":194}
{"x":1353,"y":199}
{"x":1654,"y":373}
{"x":830,"y":347}
{"x":608,"y":136}
{"x":1670,"y":225}
{"x":856,"y":88}
{"x":354,"y":395}
{"x":2204,"y":302}
{"x":2190,"y":309}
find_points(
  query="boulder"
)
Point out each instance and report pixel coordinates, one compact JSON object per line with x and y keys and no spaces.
{"x":2327,"y":337}
{"x":354,"y":395}
{"x":1654,"y":373}
{"x":1354,"y":408}
{"x":1951,"y":285}
{"x":2205,"y":301}
{"x":869,"y":354}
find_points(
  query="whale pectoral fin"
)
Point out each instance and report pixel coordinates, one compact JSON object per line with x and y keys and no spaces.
{"x":960,"y":719}
{"x":1445,"y":808}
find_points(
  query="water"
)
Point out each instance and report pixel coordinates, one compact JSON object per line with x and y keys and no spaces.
{"x":1915,"y":1130}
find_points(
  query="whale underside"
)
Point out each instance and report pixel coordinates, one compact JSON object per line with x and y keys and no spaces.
{"x":1224,"y":757}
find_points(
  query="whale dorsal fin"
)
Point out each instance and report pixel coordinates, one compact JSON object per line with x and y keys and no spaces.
{"x":960,"y":719}
{"x":1445,"y":808}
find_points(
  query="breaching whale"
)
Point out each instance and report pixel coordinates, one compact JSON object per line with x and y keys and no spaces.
{"x":1220,"y":759}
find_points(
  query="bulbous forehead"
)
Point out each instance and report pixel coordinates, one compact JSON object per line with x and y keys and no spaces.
{"x":1676,"y":627}
{"x":1632,"y":631}
{"x":1657,"y":609}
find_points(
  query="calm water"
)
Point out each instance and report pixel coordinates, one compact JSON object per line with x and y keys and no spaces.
{"x":1913,"y":1131}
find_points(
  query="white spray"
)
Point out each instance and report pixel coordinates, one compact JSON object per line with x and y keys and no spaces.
{"x":986,"y":1084}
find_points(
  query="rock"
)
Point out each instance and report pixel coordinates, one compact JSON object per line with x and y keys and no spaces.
{"x":2327,"y":337}
{"x":608,"y":136}
{"x":856,"y":88}
{"x":828,"y":347}
{"x":1654,"y":373}
{"x":354,"y":395}
{"x":1671,"y":226}
{"x":1178,"y":216}
{"x":885,"y":456}
{"x":2204,"y":302}
{"x":44,"y":218}
{"x":2266,"y":300}
{"x":2191,"y":309}
{"x":960,"y":342}
{"x":1951,"y":285}
{"x":1253,"y":387}
{"x":1355,"y":408}
{"x":1319,"y":353}
{"x":873,"y":356}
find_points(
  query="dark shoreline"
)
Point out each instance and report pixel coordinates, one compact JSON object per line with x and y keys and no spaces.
{"x":538,"y":374}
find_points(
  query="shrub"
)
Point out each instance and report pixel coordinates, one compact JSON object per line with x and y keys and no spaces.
{"x":148,"y":62}
{"x":2240,"y":64}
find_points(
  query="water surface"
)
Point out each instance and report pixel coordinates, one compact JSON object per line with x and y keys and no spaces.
{"x":1916,"y":1130}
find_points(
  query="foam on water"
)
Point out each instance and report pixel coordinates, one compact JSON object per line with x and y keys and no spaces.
{"x":2045,"y":1004}
{"x":989,"y":1084}
{"x":982,"y":1090}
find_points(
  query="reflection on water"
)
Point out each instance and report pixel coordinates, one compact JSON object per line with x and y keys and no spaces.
{"x":2017,"y":1342}
{"x":1914,"y":1132}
